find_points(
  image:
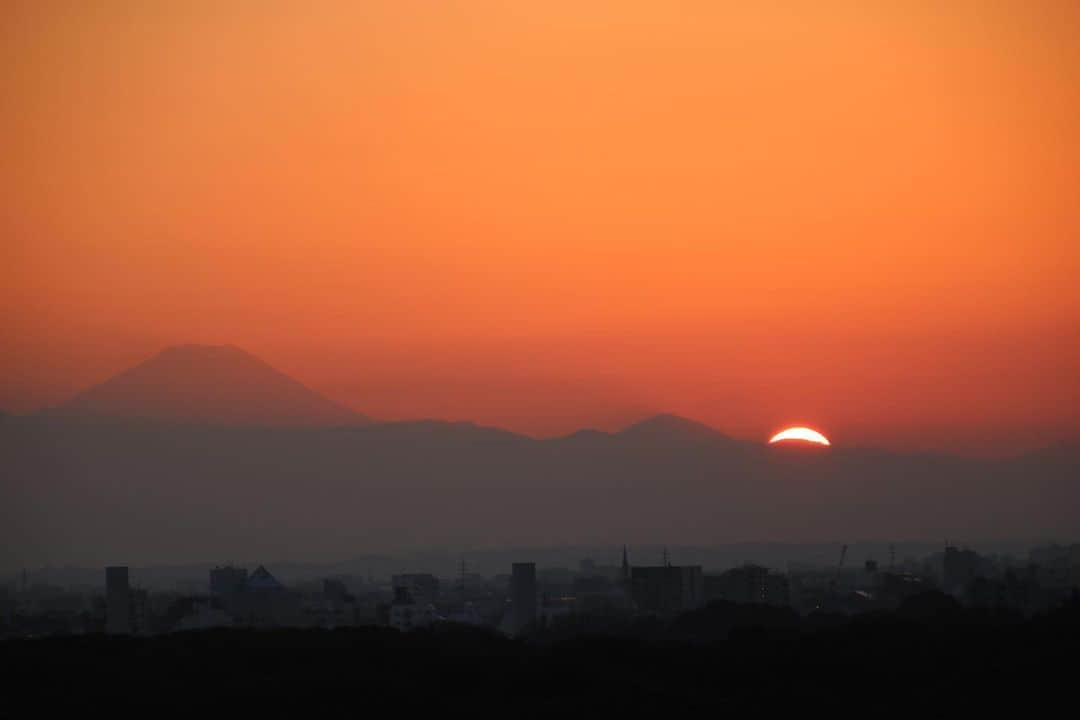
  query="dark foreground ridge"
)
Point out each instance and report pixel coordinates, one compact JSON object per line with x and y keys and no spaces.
{"x":926,"y":657}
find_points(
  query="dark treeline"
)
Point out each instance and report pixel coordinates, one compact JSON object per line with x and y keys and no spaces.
{"x":928,"y":656}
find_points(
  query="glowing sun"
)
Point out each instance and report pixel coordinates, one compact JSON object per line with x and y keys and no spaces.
{"x":803,"y":434}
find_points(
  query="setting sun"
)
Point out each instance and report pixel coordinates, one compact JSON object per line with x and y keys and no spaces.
{"x":803,"y":434}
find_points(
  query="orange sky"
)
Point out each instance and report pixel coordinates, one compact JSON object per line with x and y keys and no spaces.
{"x":547,"y":215}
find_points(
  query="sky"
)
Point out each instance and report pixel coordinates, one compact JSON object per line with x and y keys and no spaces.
{"x":552,"y":215}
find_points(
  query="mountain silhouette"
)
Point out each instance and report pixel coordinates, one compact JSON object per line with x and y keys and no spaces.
{"x":668,"y":424}
{"x":207,"y":384}
{"x":667,"y":428}
{"x":663,"y":430}
{"x":93,"y":492}
{"x":250,"y":463}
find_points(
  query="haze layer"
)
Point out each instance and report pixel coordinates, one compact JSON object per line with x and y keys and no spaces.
{"x":549,"y":215}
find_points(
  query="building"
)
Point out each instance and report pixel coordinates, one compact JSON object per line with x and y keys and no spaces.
{"x":554,"y":609}
{"x":117,"y":601}
{"x":958,"y":569}
{"x":749,"y":584}
{"x":265,"y":602}
{"x":522,"y":597}
{"x":1057,"y":568}
{"x":142,"y":617}
{"x":894,"y":588}
{"x":667,"y":589}
{"x":7,"y":603}
{"x":406,"y":614}
{"x":262,"y":581}
{"x":334,"y":591}
{"x":422,"y":587}
{"x":1056,"y":556}
{"x":228,"y":580}
{"x":468,"y":614}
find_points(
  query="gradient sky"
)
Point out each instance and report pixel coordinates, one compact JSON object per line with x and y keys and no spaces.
{"x":861,"y":216}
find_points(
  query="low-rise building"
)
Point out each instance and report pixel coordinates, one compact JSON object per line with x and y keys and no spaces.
{"x":667,"y":589}
{"x":748,"y":584}
{"x":423,"y":587}
{"x":406,"y":614}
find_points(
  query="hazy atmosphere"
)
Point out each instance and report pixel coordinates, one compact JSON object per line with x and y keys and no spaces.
{"x":545,"y":216}
{"x":590,"y":358}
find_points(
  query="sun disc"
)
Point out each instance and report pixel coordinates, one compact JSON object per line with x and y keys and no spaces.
{"x":804,"y":434}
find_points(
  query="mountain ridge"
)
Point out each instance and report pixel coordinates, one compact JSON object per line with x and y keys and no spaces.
{"x":227,"y":397}
{"x":213,"y":384}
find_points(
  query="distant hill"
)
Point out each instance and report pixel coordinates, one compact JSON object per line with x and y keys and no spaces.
{"x":221,"y":385}
{"x":150,"y":492}
{"x":667,"y":430}
{"x":668,"y":425}
{"x":664,"y":430}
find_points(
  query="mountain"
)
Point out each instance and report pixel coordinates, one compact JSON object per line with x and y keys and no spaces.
{"x":221,"y":385}
{"x":145,"y":492}
{"x":668,"y":425}
{"x":667,"y":429}
{"x":658,"y":431}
